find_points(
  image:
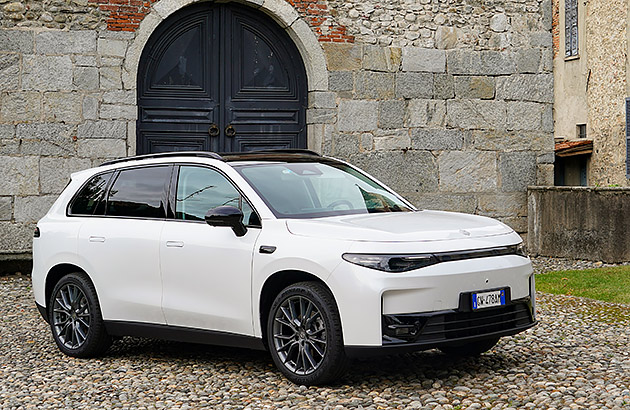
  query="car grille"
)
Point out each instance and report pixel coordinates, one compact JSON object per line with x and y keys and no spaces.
{"x":454,"y":325}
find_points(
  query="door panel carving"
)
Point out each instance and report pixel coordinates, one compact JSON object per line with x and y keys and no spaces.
{"x":221,"y":77}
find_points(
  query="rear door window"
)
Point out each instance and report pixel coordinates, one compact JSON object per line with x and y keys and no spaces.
{"x":139,"y":192}
{"x":87,"y":200}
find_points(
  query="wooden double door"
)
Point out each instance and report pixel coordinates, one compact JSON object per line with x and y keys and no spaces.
{"x":221,"y":77}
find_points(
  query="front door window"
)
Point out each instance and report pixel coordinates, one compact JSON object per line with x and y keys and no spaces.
{"x":200,"y":189}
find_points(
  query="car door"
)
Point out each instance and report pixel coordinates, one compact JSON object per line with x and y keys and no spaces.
{"x":120,"y":247}
{"x":206,"y":270}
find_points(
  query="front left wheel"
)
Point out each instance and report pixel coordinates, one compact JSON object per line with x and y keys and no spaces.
{"x":304,"y":334}
{"x":75,"y":317}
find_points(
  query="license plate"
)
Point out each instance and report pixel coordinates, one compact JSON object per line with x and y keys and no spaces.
{"x":488,"y":299}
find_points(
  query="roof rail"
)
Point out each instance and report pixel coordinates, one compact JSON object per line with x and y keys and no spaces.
{"x":213,"y":155}
{"x":274,"y":151}
{"x":204,"y":154}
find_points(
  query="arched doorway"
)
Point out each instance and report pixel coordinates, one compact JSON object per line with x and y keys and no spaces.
{"x":221,"y":77}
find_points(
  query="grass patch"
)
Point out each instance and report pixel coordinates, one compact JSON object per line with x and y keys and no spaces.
{"x":606,"y":284}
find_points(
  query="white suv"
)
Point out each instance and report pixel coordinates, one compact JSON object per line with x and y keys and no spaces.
{"x":289,"y":251}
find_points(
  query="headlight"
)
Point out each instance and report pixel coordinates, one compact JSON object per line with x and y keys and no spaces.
{"x":404,"y":263}
{"x":391,"y":263}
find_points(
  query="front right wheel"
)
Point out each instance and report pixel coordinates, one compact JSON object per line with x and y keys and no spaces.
{"x":304,"y":334}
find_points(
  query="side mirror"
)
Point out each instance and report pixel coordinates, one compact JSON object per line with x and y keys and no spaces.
{"x":227,"y":216}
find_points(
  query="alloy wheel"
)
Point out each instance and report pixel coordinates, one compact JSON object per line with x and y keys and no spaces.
{"x":299,"y":335}
{"x":71,"y":316}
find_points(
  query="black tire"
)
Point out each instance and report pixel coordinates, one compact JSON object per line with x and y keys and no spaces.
{"x":470,"y":349}
{"x":75,"y":317}
{"x":310,"y":351}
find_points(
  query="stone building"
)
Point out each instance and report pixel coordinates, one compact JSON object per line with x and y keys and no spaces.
{"x":591,"y":86}
{"x":447,"y":101}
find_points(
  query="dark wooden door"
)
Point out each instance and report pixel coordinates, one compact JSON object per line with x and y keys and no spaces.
{"x":220,"y":77}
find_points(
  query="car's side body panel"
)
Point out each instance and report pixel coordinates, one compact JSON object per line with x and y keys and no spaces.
{"x":318,"y":258}
{"x":60,"y":251}
{"x":57,"y":244}
{"x":207,"y":276}
{"x":121,"y":256}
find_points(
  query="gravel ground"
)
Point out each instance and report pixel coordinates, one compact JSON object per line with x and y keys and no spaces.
{"x":544,"y":264}
{"x":576,"y":358}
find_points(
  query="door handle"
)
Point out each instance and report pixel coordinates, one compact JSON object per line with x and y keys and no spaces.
{"x":174,"y":244}
{"x":230,"y":131}
{"x":213,"y":131}
{"x":97,"y":239}
{"x":268,"y":249}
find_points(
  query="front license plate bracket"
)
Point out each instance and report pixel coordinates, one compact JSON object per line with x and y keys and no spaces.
{"x":466,"y":299}
{"x":484,"y":300}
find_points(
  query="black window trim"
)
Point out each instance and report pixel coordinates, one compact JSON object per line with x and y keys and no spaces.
{"x":173,"y":192}
{"x":115,"y":173}
{"x":170,"y":189}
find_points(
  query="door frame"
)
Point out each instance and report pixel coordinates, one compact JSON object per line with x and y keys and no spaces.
{"x":282,"y":12}
{"x":224,"y":100}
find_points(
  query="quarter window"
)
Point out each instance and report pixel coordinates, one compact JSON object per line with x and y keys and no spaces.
{"x":88,"y":198}
{"x":139,"y":192}
{"x":200,"y":189}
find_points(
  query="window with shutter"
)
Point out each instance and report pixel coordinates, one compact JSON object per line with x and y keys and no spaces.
{"x":571,"y":28}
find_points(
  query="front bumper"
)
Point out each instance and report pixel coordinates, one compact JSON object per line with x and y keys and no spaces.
{"x":364,"y":295}
{"x":450,"y":327}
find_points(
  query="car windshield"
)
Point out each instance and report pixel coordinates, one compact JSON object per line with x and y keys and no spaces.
{"x":317,"y":189}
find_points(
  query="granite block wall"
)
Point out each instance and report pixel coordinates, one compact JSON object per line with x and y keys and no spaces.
{"x":447,"y":101}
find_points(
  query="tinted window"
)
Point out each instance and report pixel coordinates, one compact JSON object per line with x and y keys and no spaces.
{"x":200,"y":189}
{"x":139,"y":192}
{"x":89,"y":196}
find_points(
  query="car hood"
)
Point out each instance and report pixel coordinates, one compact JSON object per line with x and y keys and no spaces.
{"x":418,"y":226}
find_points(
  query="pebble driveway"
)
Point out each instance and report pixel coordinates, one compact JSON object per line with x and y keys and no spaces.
{"x":578,"y":357}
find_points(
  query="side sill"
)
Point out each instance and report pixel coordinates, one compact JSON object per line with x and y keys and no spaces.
{"x":372,"y":351}
{"x":42,"y":311}
{"x":182,"y":334}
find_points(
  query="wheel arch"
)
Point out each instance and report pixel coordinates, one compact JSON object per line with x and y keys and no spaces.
{"x":56,"y":273}
{"x":274,"y":285}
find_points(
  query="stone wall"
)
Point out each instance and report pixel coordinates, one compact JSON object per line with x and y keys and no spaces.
{"x":458,"y":129}
{"x":473,"y":24}
{"x":58,"y":14}
{"x":448,"y":102}
{"x":579,"y":223}
{"x":607,"y":45}
{"x":62,"y":109}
